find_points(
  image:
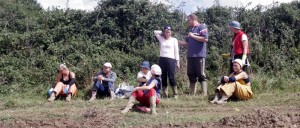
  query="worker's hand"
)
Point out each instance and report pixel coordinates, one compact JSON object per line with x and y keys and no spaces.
{"x":178,"y":66}
{"x":190,"y":34}
{"x":226,"y":79}
{"x":100,"y":77}
{"x":225,"y":55}
{"x":134,"y":89}
{"x":244,"y":57}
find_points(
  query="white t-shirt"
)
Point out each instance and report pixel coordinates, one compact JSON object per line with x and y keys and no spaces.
{"x":141,"y":75}
{"x":244,"y":37}
{"x":168,"y":48}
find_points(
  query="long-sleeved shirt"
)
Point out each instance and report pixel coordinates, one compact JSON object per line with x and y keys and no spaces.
{"x":110,"y":77}
{"x":168,"y":47}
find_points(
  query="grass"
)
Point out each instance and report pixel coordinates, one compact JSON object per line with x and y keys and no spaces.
{"x":183,"y":110}
{"x":171,"y":111}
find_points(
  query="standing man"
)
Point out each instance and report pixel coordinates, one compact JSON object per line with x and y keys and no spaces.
{"x":104,"y":82}
{"x":240,"y":46}
{"x":196,"y":41}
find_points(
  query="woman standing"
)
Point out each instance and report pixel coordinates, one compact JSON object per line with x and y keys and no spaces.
{"x":169,"y":58}
{"x":65,"y":84}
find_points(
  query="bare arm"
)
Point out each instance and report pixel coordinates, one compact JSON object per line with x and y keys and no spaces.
{"x":242,"y":75}
{"x":226,"y":78}
{"x":176,"y":49}
{"x":245,"y":47}
{"x":182,"y":43}
{"x":58,"y":77}
{"x":144,"y":87}
{"x":245,"y":44}
{"x":140,"y":80}
{"x":72,"y":74}
{"x":198,"y":38}
{"x":158,"y":35}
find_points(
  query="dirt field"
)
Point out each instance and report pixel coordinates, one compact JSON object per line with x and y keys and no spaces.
{"x":284,"y":112}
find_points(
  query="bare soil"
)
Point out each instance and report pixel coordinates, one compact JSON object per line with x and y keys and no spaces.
{"x":90,"y":118}
{"x":265,"y":118}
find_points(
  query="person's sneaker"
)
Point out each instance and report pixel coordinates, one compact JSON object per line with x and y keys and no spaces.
{"x":51,"y":98}
{"x":175,"y":96}
{"x":69,"y":97}
{"x":221,"y":102}
{"x":223,"y":99}
{"x":213,"y":101}
{"x":125,"y":111}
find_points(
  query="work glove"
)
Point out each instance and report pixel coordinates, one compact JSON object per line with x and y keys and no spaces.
{"x":225,"y":55}
{"x":244,"y":60}
{"x":66,"y":89}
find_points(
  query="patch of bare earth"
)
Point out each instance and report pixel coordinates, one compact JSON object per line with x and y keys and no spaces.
{"x":264,"y":118}
{"x":90,"y":118}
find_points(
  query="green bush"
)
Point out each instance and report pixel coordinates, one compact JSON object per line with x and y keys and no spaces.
{"x":34,"y":41}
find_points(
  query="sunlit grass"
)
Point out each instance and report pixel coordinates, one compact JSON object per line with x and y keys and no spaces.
{"x":185,"y":109}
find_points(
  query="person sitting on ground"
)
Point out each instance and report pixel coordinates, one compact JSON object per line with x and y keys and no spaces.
{"x":237,"y":83}
{"x":65,"y":84}
{"x":104,"y":82}
{"x":144,"y":75}
{"x":149,"y":93}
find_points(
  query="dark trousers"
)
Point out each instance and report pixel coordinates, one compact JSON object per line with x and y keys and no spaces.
{"x":104,"y":88}
{"x":196,"y":69}
{"x":239,"y":56}
{"x":167,"y":66}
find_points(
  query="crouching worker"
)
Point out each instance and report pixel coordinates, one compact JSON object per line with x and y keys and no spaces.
{"x":237,"y":84}
{"x":148,"y":94}
{"x":104,"y":82}
{"x":144,"y":75}
{"x":65,"y":85}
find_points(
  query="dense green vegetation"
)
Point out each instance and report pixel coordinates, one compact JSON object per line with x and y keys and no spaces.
{"x":34,"y":41}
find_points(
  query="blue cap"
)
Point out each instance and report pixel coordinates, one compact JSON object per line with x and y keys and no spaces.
{"x":167,"y":27}
{"x":235,"y":24}
{"x":145,"y":64}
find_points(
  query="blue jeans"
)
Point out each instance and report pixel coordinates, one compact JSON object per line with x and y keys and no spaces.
{"x":103,"y":88}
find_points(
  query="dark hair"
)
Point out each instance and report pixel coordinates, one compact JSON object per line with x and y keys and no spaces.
{"x":167,"y":27}
{"x":193,"y":16}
